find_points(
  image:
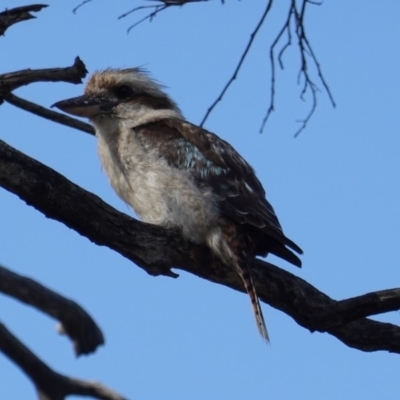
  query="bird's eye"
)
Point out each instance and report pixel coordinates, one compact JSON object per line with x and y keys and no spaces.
{"x":123,"y":91}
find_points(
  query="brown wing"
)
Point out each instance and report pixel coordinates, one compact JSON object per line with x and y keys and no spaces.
{"x":216,"y":164}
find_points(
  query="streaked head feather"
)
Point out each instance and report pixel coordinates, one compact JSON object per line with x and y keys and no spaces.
{"x":138,"y":78}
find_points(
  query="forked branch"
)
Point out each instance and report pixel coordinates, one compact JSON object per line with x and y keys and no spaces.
{"x":294,"y":29}
{"x":157,"y":9}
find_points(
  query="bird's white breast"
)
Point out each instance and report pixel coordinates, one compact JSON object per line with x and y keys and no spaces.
{"x":160,"y":194}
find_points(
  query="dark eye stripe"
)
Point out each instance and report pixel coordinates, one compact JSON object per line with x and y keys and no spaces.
{"x":123,"y":92}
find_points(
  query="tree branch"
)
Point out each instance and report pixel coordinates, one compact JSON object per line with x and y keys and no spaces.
{"x":239,"y":65}
{"x":14,"y":80}
{"x":80,"y":5}
{"x":48,"y":114}
{"x":157,"y":8}
{"x":18,"y":14}
{"x":50,"y":384}
{"x":294,"y":21}
{"x":150,"y":17}
{"x":296,"y":16}
{"x":75,"y":321}
{"x":157,"y":250}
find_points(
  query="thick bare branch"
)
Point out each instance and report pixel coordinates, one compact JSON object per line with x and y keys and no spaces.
{"x":14,"y":80}
{"x":362,"y":306}
{"x":50,"y":384}
{"x":156,"y":251}
{"x":18,"y":14}
{"x":75,"y":321}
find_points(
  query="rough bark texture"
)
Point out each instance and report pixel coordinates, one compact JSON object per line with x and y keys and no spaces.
{"x":156,"y":251}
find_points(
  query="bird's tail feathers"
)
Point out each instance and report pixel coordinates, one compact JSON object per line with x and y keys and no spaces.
{"x":283,"y":252}
{"x":248,"y":282}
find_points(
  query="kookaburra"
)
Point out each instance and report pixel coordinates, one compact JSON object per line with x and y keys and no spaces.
{"x":179,"y":175}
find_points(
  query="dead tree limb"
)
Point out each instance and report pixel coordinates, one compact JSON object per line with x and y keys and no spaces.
{"x":75,"y":321}
{"x":18,"y":14}
{"x":13,"y":80}
{"x":49,"y":384}
{"x":157,"y":250}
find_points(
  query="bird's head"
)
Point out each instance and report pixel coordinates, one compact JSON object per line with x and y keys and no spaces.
{"x":122,"y":94}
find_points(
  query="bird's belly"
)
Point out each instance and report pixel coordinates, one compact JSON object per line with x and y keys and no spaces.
{"x":166,"y":196}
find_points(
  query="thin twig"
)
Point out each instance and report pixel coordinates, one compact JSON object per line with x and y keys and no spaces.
{"x":149,"y":17}
{"x":241,"y":60}
{"x":306,"y":51}
{"x":284,"y":48}
{"x":319,"y":70}
{"x":137,"y":9}
{"x":304,"y":121}
{"x":49,"y":114}
{"x":80,"y":5}
{"x":157,"y":9}
{"x":271,"y":105}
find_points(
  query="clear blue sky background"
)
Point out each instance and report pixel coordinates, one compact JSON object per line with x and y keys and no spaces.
{"x":335,"y":189}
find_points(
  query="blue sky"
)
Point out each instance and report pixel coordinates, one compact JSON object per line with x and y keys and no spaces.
{"x":335,"y":189}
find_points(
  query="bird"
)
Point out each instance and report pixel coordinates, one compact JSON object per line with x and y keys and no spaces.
{"x":179,"y":175}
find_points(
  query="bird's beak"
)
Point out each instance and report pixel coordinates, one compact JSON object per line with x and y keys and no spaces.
{"x":85,"y":106}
